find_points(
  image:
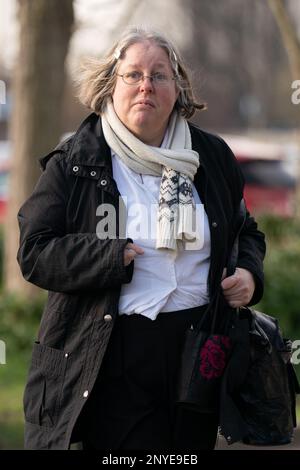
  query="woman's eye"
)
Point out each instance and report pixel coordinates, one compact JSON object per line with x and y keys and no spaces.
{"x":134,"y":75}
{"x":160,"y":77}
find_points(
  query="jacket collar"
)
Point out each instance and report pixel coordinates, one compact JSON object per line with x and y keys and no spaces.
{"x":89,"y":146}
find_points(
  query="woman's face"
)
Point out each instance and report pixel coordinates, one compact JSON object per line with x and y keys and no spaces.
{"x":145,"y":107}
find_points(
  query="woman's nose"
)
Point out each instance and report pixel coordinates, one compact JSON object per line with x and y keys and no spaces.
{"x":146,"y":84}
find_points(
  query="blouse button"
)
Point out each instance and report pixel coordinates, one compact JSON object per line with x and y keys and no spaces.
{"x":103,"y":182}
{"x":75,"y":168}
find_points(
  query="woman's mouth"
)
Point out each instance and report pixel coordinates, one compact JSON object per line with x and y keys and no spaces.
{"x":146,"y":103}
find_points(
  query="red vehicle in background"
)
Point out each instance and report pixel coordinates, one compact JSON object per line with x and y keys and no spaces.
{"x":270,"y":172}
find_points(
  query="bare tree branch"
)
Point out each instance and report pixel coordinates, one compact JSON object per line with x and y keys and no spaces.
{"x":289,"y":36}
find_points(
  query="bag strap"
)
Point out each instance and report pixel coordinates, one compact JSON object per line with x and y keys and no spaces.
{"x":232,"y":260}
{"x":214,"y":302}
{"x":233,"y":257}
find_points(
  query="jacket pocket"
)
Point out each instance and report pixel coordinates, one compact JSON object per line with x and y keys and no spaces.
{"x":43,"y":390}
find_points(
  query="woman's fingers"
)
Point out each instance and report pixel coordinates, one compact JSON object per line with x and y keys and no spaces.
{"x":131,"y":250}
{"x":230,"y":282}
{"x":238,"y":289}
{"x":133,"y":246}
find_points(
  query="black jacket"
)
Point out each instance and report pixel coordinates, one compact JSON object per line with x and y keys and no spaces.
{"x":60,"y":252}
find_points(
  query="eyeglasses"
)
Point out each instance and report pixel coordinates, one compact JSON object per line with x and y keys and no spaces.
{"x":133,"y":78}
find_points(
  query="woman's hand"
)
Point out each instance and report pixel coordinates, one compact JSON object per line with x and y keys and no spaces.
{"x":130,"y":251}
{"x":238,"y":289}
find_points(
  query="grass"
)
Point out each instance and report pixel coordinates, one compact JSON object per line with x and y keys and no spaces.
{"x":18,"y":324}
{"x":12,"y":381}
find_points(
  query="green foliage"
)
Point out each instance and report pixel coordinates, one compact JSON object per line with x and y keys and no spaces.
{"x":282,"y":273}
{"x":280,"y":231}
{"x":12,"y":382}
{"x":19,"y":319}
{"x":282,"y":289}
{"x":1,"y":253}
{"x":282,"y":276}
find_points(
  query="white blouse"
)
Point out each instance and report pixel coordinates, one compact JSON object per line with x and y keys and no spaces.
{"x":163,"y":280}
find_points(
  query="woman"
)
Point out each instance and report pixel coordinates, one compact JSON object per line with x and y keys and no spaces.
{"x":123,"y":284}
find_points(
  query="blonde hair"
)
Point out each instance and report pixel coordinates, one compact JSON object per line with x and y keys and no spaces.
{"x":98,"y":76}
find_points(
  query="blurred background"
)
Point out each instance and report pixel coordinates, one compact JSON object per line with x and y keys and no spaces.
{"x":244,"y":56}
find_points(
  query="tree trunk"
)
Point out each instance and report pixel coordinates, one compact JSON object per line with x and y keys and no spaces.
{"x":288,"y":34}
{"x":45,"y":30}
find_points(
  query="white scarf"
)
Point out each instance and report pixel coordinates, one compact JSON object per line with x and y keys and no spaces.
{"x":177,"y":163}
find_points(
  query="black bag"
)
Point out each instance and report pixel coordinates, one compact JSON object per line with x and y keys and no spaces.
{"x":245,"y":374}
{"x":260,"y":384}
{"x":203,"y":360}
{"x":266,"y":399}
{"x":205,"y":353}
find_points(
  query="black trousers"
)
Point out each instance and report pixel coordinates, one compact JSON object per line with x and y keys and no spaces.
{"x":132,"y":405}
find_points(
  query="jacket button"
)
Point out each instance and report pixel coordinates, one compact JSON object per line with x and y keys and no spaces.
{"x":85,"y":394}
{"x":93,"y":173}
{"x":103,"y":182}
{"x":214,"y":224}
{"x":107,"y":318}
{"x":75,"y":168}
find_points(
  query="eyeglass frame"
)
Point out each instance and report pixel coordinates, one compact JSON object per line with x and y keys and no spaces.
{"x":151,"y":77}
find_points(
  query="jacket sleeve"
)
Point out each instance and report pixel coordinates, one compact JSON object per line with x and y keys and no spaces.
{"x":59,"y":261}
{"x":252,"y":247}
